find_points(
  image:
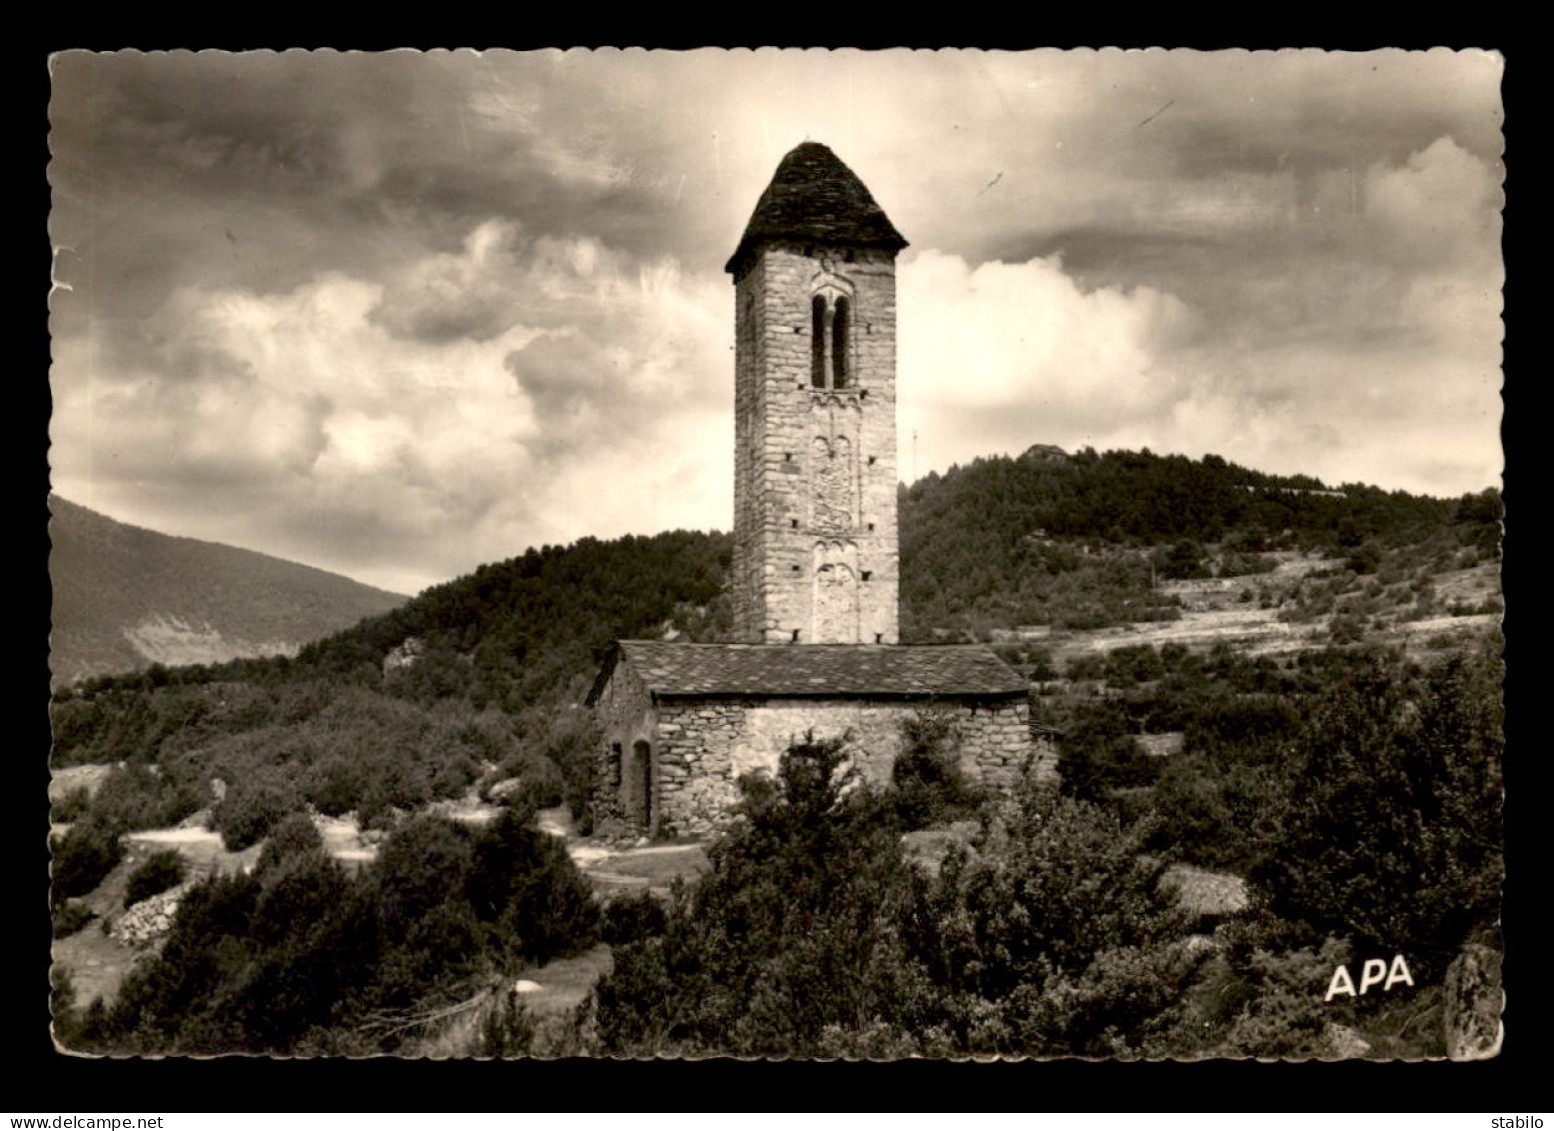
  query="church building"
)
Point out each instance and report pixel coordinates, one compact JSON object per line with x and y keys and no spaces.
{"x":815,"y":578}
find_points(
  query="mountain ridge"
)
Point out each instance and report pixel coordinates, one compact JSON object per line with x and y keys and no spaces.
{"x":126,"y":597}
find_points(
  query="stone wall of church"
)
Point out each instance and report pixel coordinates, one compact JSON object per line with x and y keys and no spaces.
{"x":815,"y":471}
{"x":627,"y":718}
{"x":703,"y":746}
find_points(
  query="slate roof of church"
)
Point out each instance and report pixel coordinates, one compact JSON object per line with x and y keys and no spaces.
{"x":853,"y":671}
{"x":813,"y":196}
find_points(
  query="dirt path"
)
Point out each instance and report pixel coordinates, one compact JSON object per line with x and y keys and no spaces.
{"x":649,"y":868}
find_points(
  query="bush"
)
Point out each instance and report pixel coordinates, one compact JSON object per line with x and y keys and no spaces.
{"x":422,"y":864}
{"x":1040,"y":668}
{"x":522,"y":881}
{"x":84,"y":856}
{"x":792,"y":941}
{"x":1392,"y":833}
{"x":632,"y":918}
{"x":296,"y":898}
{"x":1182,"y":560}
{"x":1137,"y":662}
{"x":1097,"y":754}
{"x":69,"y":917}
{"x":928,"y":785}
{"x":252,"y":807}
{"x":1216,"y":814}
{"x":134,"y":796}
{"x":1089,"y":666}
{"x":540,"y":785}
{"x":334,"y":785}
{"x":160,"y":871}
{"x":1345,"y":628}
{"x":295,"y":836}
{"x":1237,"y":564}
{"x":570,"y":741}
{"x":1052,"y":883}
{"x":72,"y":807}
{"x":1283,"y":1014}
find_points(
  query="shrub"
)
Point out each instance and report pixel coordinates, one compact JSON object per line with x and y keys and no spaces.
{"x":1053,"y":882}
{"x":1283,"y":1014}
{"x":428,"y":956}
{"x":1137,"y":662}
{"x":394,"y":782}
{"x":294,"y":837}
{"x":632,"y":918}
{"x":1097,"y":754}
{"x":1090,"y":666}
{"x":334,"y":785}
{"x":540,"y":785}
{"x":160,"y":871}
{"x":928,"y":785}
{"x":69,"y":917}
{"x":793,"y":938}
{"x":72,"y":807}
{"x":133,"y":796}
{"x":1392,"y":833}
{"x":570,"y":742}
{"x":252,"y":807}
{"x":296,"y":898}
{"x":1040,"y":668}
{"x":1216,"y":814}
{"x":453,"y":775}
{"x":84,"y":856}
{"x":422,"y":864}
{"x":1345,"y":628}
{"x":1236,"y":564}
{"x":1184,"y":559}
{"x":523,"y":881}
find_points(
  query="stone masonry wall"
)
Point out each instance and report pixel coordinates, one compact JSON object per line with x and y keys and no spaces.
{"x":705,"y":745}
{"x":781,"y":536}
{"x":626,"y":716}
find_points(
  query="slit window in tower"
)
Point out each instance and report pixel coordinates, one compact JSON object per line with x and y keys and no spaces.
{"x":839,"y":343}
{"x":817,"y":342}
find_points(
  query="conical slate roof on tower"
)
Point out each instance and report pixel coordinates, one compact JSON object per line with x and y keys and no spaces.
{"x":813,"y":196}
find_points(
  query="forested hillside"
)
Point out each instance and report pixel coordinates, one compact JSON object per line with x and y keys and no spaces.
{"x":1077,"y":541}
{"x":1043,"y":538}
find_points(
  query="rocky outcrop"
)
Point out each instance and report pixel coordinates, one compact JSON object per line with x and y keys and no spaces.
{"x":1474,"y":1001}
{"x":404,"y":656}
{"x":146,"y":923}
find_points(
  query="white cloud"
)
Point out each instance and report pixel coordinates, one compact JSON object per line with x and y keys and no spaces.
{"x":1001,"y":356}
{"x":404,"y":459}
{"x":995,"y":358}
{"x":1440,"y":207}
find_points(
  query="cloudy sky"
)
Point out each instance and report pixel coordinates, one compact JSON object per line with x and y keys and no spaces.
{"x":396,"y":315}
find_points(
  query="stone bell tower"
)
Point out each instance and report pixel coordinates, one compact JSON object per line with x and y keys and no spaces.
{"x":815,"y":543}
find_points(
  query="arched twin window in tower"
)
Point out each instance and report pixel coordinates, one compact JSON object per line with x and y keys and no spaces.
{"x":830,"y":320}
